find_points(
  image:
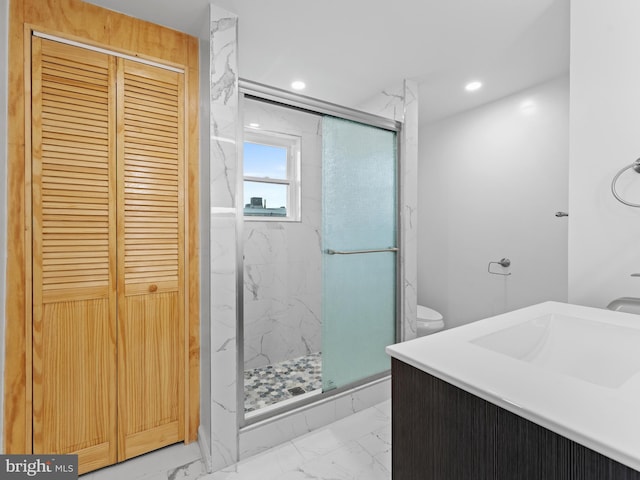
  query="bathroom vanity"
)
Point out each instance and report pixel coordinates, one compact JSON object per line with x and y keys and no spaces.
{"x":550,"y":392}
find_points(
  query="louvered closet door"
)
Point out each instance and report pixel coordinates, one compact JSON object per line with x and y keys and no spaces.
{"x":74,"y":244}
{"x":151,"y":238}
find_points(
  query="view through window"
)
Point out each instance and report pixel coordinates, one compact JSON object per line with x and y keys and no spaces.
{"x":271,"y":186}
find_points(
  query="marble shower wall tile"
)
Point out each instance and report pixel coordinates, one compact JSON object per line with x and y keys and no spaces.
{"x":282,"y":260}
{"x":400,"y":103}
{"x":409,"y":190}
{"x":389,"y":103}
{"x":224,"y":120}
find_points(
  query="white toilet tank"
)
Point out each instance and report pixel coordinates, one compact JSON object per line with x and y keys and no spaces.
{"x":429,"y":321}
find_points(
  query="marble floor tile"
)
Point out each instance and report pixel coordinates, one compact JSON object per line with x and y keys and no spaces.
{"x":157,"y":465}
{"x":354,"y":448}
{"x":378,"y":445}
{"x":357,"y":447}
{"x":350,"y":462}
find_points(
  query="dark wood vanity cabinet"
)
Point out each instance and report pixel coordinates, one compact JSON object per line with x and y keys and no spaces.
{"x":440,"y":432}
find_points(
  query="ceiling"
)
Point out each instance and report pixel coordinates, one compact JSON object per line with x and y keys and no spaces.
{"x":347,"y":51}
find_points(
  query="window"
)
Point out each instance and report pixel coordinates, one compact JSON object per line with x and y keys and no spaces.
{"x":271,"y":176}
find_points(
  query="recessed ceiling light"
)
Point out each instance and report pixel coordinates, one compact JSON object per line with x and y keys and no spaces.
{"x":254,"y":125}
{"x":298,"y":85}
{"x":473,"y":86}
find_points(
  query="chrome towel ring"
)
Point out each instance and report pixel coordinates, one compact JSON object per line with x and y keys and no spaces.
{"x":636,"y":168}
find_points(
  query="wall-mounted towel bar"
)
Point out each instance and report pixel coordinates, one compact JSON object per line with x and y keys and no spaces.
{"x":504,"y":262}
{"x":636,"y":168}
{"x":329,"y":251}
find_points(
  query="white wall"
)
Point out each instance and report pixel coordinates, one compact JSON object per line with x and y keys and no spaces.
{"x":604,"y":235}
{"x":4,"y":36}
{"x":490,"y":182}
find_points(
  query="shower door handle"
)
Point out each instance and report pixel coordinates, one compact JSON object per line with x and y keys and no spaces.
{"x":329,"y":251}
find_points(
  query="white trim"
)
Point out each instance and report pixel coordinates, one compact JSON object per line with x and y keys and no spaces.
{"x":281,"y":181}
{"x":108,"y":52}
{"x":292,"y":144}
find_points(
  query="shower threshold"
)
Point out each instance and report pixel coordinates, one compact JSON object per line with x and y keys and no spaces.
{"x":281,"y":403}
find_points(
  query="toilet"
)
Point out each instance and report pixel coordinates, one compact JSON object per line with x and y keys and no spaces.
{"x":429,"y":321}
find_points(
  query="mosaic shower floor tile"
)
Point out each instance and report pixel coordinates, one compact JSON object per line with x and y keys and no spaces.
{"x":268,"y":385}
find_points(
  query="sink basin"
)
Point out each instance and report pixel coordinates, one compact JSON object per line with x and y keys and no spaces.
{"x":597,"y":352}
{"x":625,"y":304}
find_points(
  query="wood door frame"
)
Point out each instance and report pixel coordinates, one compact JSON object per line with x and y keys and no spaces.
{"x":85,"y":23}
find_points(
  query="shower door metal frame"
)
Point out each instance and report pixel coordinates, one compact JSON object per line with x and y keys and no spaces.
{"x":257,"y":91}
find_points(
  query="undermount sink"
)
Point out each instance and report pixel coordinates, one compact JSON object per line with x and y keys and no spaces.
{"x":605,"y":354}
{"x":625,"y":304}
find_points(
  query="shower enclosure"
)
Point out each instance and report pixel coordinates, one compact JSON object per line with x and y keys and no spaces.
{"x":319,"y":251}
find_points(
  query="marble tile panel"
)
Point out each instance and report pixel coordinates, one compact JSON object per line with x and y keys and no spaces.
{"x":378,"y":445}
{"x":303,"y":245}
{"x":271,"y":465}
{"x":224,"y":115}
{"x":265,"y":242}
{"x":282,"y":260}
{"x":389,"y":103}
{"x":357,"y":447}
{"x":264,"y":282}
{"x":351,"y":462}
{"x":282,"y":304}
{"x":354,"y":426}
{"x":223,"y":171}
{"x":342,"y":432}
{"x":328,"y":453}
{"x":409,"y":205}
{"x":362,"y":398}
{"x":284,"y":340}
{"x":191,"y":471}
{"x":385,"y":407}
{"x":262,"y":437}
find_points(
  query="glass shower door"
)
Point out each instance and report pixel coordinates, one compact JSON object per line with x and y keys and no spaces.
{"x":359,"y":250}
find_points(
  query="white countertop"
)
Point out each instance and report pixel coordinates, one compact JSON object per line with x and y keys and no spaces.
{"x":583,"y":402}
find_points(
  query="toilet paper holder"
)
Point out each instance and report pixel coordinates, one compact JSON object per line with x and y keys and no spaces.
{"x":504,"y":262}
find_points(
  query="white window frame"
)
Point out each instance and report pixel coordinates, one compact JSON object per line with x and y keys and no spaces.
{"x":293,"y":144}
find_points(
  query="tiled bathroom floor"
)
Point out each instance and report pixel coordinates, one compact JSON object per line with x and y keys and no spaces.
{"x":357,"y":447}
{"x":268,"y":385}
{"x":170,"y":463}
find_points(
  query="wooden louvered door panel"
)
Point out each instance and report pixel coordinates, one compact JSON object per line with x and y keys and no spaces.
{"x":108,"y":255}
{"x":74,"y":245}
{"x":151,"y":343}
